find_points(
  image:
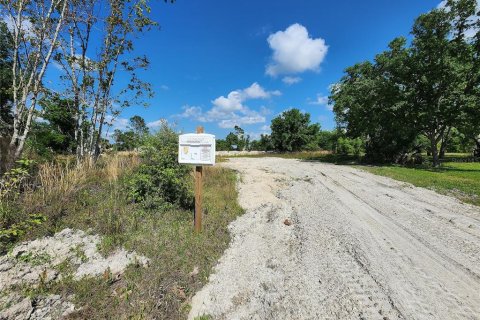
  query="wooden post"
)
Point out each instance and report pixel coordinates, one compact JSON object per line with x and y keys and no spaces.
{"x":198,"y":193}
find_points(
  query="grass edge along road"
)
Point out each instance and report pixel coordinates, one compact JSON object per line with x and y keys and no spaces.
{"x":457,"y":179}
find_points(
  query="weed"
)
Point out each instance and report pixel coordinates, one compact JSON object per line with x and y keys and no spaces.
{"x":79,"y":253}
{"x":35,"y":259}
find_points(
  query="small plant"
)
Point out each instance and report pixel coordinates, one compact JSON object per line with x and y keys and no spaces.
{"x":160,"y":182}
{"x":12,"y":181}
{"x":80,"y":253}
{"x":12,"y":184}
{"x":35,"y":259}
{"x":16,"y":230}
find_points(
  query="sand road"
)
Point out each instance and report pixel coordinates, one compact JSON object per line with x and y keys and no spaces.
{"x":359,"y":246}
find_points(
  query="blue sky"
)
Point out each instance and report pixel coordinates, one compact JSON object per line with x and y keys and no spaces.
{"x":221,"y":63}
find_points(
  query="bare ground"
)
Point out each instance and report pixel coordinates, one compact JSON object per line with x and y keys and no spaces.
{"x":320,"y":241}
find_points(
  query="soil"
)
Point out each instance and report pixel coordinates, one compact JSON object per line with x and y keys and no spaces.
{"x":321,"y":241}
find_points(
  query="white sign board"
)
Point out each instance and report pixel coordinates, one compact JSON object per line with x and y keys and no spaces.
{"x":197,"y":149}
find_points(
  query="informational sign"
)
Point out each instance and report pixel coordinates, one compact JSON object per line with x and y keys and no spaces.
{"x":197,"y":149}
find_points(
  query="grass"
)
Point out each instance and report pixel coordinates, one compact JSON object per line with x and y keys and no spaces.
{"x":461,"y":180}
{"x":180,"y":260}
{"x":456,"y":177}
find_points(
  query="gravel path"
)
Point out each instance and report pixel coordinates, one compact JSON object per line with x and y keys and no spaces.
{"x":320,"y":241}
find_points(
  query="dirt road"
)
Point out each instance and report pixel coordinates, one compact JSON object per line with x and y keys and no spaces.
{"x":359,"y":246}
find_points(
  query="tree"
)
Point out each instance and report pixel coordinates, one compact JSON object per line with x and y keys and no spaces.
{"x":138,"y":125}
{"x":56,"y":132}
{"x":6,"y":96}
{"x":221,"y":145}
{"x":241,"y":141}
{"x":232,"y":141}
{"x":326,"y":140}
{"x":133,"y":138}
{"x":95,"y":93}
{"x":292,"y":131}
{"x":438,"y":75}
{"x":35,"y":27}
{"x":124,"y":141}
{"x":265,"y":143}
{"x":428,"y":88}
{"x":139,"y":128}
{"x":6,"y":56}
{"x":370,"y":103}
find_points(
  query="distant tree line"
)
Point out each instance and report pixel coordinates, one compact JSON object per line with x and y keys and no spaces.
{"x":291,"y":131}
{"x":422,"y":94}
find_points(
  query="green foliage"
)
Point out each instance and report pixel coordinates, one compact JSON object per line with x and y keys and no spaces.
{"x":221,"y":145}
{"x":265,"y":143}
{"x":160,"y":182}
{"x":347,"y":146}
{"x":427,"y":87}
{"x":6,"y":49}
{"x":11,"y":185}
{"x":292,"y":131}
{"x":132,"y":138}
{"x":12,"y":180}
{"x":234,"y":141}
{"x":55,"y":133}
{"x":124,"y":141}
{"x":327,"y":140}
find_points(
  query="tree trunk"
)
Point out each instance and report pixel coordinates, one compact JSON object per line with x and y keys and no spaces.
{"x":443,"y":145}
{"x":434,"y":150}
{"x":476,"y":151}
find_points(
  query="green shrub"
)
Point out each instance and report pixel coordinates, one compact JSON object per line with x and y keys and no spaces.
{"x":347,"y":146}
{"x":13,"y":222}
{"x":160,"y":182}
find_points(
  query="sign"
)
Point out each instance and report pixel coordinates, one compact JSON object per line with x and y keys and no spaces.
{"x":197,"y":149}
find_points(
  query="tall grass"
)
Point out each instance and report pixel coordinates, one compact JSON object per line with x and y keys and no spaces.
{"x":68,"y":194}
{"x":95,"y":197}
{"x":61,"y":179}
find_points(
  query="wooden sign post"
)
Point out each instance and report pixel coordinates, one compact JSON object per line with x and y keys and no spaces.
{"x":197,"y":149}
{"x":198,"y":193}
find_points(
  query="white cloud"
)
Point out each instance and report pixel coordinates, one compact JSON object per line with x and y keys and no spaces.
{"x":265,"y":111}
{"x":156,"y":124}
{"x":191,"y":112}
{"x":291,"y":80}
{"x":41,"y":120}
{"x":442,"y":4}
{"x":117,"y":123}
{"x":320,"y":100}
{"x":294,"y":51}
{"x":164,"y":87}
{"x":255,"y":91}
{"x":114,"y":123}
{"x":265,"y":127}
{"x":26,"y":26}
{"x":469,"y":33}
{"x":231,"y":110}
{"x":230,"y":123}
{"x":233,"y":102}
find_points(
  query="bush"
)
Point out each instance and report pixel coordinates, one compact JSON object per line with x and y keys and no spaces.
{"x":347,"y":146}
{"x":13,"y":222}
{"x":160,"y":182}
